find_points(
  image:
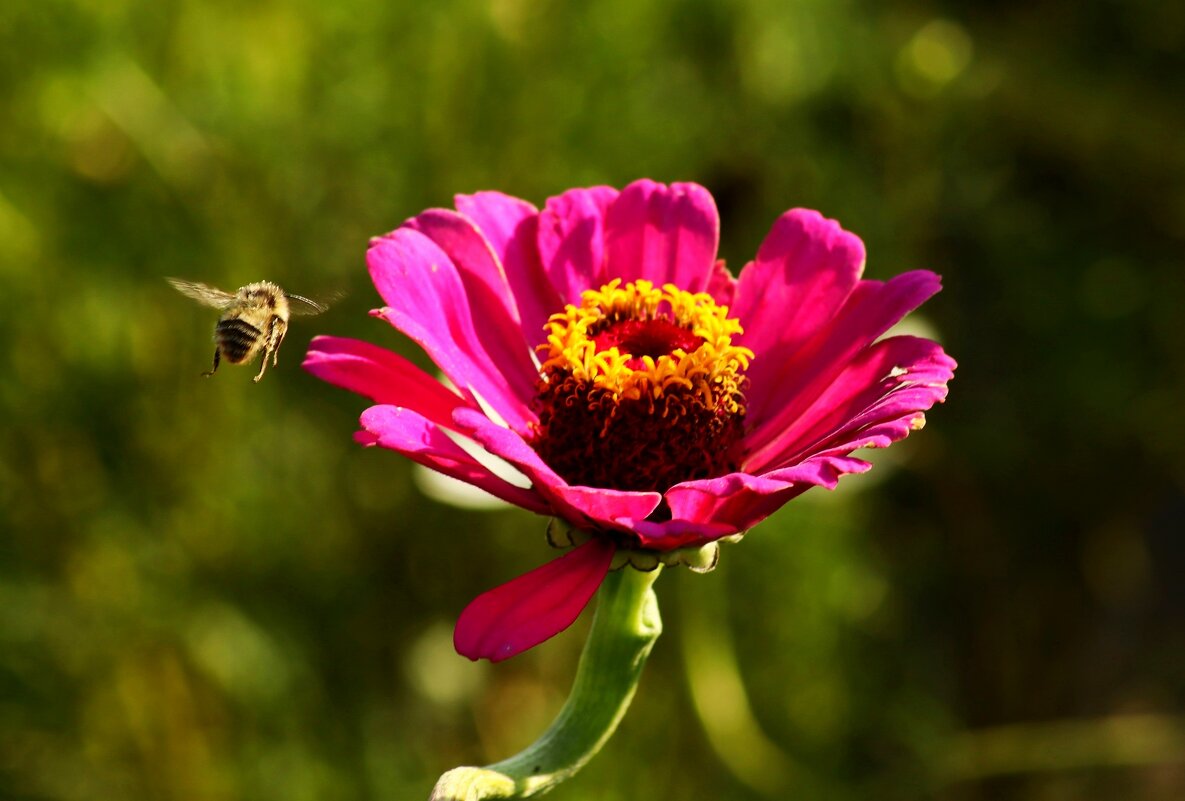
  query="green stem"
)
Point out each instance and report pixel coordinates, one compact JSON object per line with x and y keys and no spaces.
{"x":624,"y":629}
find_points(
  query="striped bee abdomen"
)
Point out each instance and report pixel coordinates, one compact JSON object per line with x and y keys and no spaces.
{"x":237,"y":339}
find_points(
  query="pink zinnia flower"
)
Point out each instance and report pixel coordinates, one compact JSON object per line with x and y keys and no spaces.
{"x":652,"y":401}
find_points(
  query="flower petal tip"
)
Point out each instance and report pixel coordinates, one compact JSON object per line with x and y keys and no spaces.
{"x":534,"y":607}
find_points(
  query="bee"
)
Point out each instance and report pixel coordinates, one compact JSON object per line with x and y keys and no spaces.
{"x":254,"y":319}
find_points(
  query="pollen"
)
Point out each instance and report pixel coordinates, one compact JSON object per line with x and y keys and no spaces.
{"x":641,"y":388}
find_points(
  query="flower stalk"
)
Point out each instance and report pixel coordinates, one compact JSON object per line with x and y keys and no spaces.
{"x":624,"y":629}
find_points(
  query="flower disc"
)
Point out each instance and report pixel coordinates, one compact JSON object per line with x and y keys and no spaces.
{"x":642,"y":388}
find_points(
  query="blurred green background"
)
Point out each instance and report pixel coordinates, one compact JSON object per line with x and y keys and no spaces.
{"x":207,"y":591}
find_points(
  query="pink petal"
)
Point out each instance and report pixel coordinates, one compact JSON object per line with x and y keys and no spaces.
{"x":505,"y":444}
{"x":877,"y":399}
{"x":422,"y":441}
{"x":426,"y":300}
{"x":722,"y":286}
{"x":382,"y":376}
{"x":739,"y":501}
{"x":474,"y":257}
{"x":571,"y":240}
{"x":608,"y":508}
{"x":789,"y":383}
{"x":534,"y":607}
{"x":804,"y":271}
{"x":510,"y":226}
{"x":497,"y":324}
{"x":583,"y":507}
{"x":663,"y":234}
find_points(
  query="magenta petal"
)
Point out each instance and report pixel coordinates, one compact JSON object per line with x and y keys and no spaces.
{"x":609,"y":508}
{"x":572,"y":240}
{"x":505,"y":444}
{"x":508,"y":445}
{"x":422,"y":441}
{"x":583,"y":507}
{"x":459,"y":237}
{"x":664,"y":234}
{"x":510,"y":226}
{"x":496,"y":322}
{"x":426,"y":300}
{"x":788,"y":383}
{"x":741,"y":501}
{"x":877,"y":399}
{"x":722,"y":286}
{"x":804,"y":271}
{"x":534,"y":607}
{"x":380,"y":375}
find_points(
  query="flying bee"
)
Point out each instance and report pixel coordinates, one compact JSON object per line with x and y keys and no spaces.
{"x":254,"y":319}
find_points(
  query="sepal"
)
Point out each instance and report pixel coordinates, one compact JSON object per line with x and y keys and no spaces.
{"x":699,"y":559}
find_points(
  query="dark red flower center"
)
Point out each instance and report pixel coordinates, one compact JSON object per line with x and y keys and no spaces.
{"x":641,"y":388}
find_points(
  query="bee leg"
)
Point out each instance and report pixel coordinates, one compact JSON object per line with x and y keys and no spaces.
{"x":275,"y":335}
{"x":214,"y":369}
{"x":278,"y":331}
{"x":263,"y":367}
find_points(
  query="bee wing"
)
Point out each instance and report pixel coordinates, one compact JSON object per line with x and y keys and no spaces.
{"x":202,"y":293}
{"x":306,"y":306}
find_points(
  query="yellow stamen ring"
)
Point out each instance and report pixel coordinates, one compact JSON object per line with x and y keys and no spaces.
{"x":712,"y":370}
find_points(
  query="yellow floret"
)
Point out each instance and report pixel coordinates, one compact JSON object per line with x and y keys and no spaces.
{"x":711,"y":371}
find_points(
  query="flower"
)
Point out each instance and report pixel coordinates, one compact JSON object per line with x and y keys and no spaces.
{"x":652,"y":401}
